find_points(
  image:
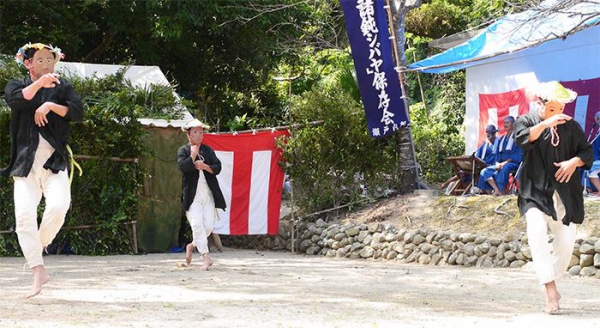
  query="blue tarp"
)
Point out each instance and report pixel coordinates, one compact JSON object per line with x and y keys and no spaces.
{"x":513,"y":33}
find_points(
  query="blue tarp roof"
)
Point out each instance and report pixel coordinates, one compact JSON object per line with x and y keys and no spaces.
{"x":515,"y":32}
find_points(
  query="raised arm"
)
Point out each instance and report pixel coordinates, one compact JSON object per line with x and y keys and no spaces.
{"x":49,"y":80}
{"x":185,"y":163}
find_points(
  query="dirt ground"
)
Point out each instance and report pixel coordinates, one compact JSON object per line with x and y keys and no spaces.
{"x":279,"y":289}
{"x":250,"y":288}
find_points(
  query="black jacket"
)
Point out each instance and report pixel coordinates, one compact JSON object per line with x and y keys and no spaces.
{"x":536,"y":178}
{"x":24,"y":134}
{"x":191,"y":175}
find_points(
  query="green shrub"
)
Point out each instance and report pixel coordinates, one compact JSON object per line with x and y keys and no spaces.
{"x":438,"y":132}
{"x":336,"y":162}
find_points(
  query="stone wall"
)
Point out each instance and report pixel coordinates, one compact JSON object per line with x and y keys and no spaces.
{"x":427,"y":247}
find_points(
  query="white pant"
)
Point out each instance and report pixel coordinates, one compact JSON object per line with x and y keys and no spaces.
{"x":201,"y":216}
{"x":28,"y":193}
{"x":550,"y":261}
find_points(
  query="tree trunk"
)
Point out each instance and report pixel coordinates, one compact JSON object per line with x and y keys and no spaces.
{"x":407,"y":162}
{"x":407,"y":166}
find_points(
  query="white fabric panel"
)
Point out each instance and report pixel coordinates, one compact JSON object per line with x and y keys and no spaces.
{"x":259,"y":192}
{"x":513,"y":111}
{"x":581,"y":108}
{"x":533,"y":106}
{"x":138,"y":75}
{"x":492,"y":117}
{"x":225,"y":179}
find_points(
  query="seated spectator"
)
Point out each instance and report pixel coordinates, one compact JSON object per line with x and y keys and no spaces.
{"x":594,"y":178}
{"x":508,"y":158}
{"x":486,"y":152}
{"x":460,"y":177}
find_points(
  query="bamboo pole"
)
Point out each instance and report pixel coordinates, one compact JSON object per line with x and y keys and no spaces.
{"x":112,"y":159}
{"x":277,"y":128}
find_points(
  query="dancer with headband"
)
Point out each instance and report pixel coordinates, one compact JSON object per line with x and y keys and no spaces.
{"x":42,"y":105}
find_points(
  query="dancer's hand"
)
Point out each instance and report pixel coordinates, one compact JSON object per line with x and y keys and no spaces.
{"x":40,"y":114}
{"x":557,"y":120}
{"x":195,"y":150}
{"x":566,"y":169}
{"x":49,"y":80}
{"x":200,"y":165}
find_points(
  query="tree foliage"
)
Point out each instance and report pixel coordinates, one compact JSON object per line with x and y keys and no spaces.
{"x":438,"y":100}
{"x":439,"y":131}
{"x":257,"y":63}
{"x":220,"y":52}
{"x":439,"y":18}
{"x":336,"y":162}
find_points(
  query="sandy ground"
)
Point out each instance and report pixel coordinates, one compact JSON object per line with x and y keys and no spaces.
{"x":278,"y":289}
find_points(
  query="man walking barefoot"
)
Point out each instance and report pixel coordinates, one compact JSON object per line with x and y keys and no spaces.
{"x":42,"y":105}
{"x":201,"y":192}
{"x":551,"y":194}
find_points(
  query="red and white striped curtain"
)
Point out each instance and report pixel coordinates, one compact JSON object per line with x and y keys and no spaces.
{"x":251,"y":180}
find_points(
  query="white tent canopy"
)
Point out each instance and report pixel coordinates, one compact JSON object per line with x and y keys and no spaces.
{"x":139,"y":76}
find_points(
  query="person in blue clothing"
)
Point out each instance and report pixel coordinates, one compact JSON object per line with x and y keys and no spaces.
{"x":487,"y":151}
{"x":508,"y":158}
{"x":594,"y":172}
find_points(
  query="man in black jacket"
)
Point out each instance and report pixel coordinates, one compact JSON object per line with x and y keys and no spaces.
{"x":551,"y":194}
{"x":201,"y":192}
{"x":42,"y":105}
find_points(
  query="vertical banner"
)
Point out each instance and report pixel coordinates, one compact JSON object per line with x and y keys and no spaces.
{"x":367,"y":28}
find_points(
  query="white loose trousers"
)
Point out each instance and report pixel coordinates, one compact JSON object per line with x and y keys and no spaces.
{"x":550,"y":261}
{"x":28,"y":193}
{"x":202,"y":215}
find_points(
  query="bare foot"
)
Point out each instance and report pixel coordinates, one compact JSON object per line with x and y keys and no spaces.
{"x":40,"y":278}
{"x":189,"y":250}
{"x":207,"y":263}
{"x":552,"y":297}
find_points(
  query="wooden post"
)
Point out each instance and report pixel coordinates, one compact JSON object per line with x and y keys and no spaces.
{"x":134,"y":233}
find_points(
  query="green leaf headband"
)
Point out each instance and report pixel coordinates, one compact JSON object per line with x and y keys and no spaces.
{"x":21,"y":56}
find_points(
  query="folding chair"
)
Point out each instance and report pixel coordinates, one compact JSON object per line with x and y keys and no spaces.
{"x":513,"y":181}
